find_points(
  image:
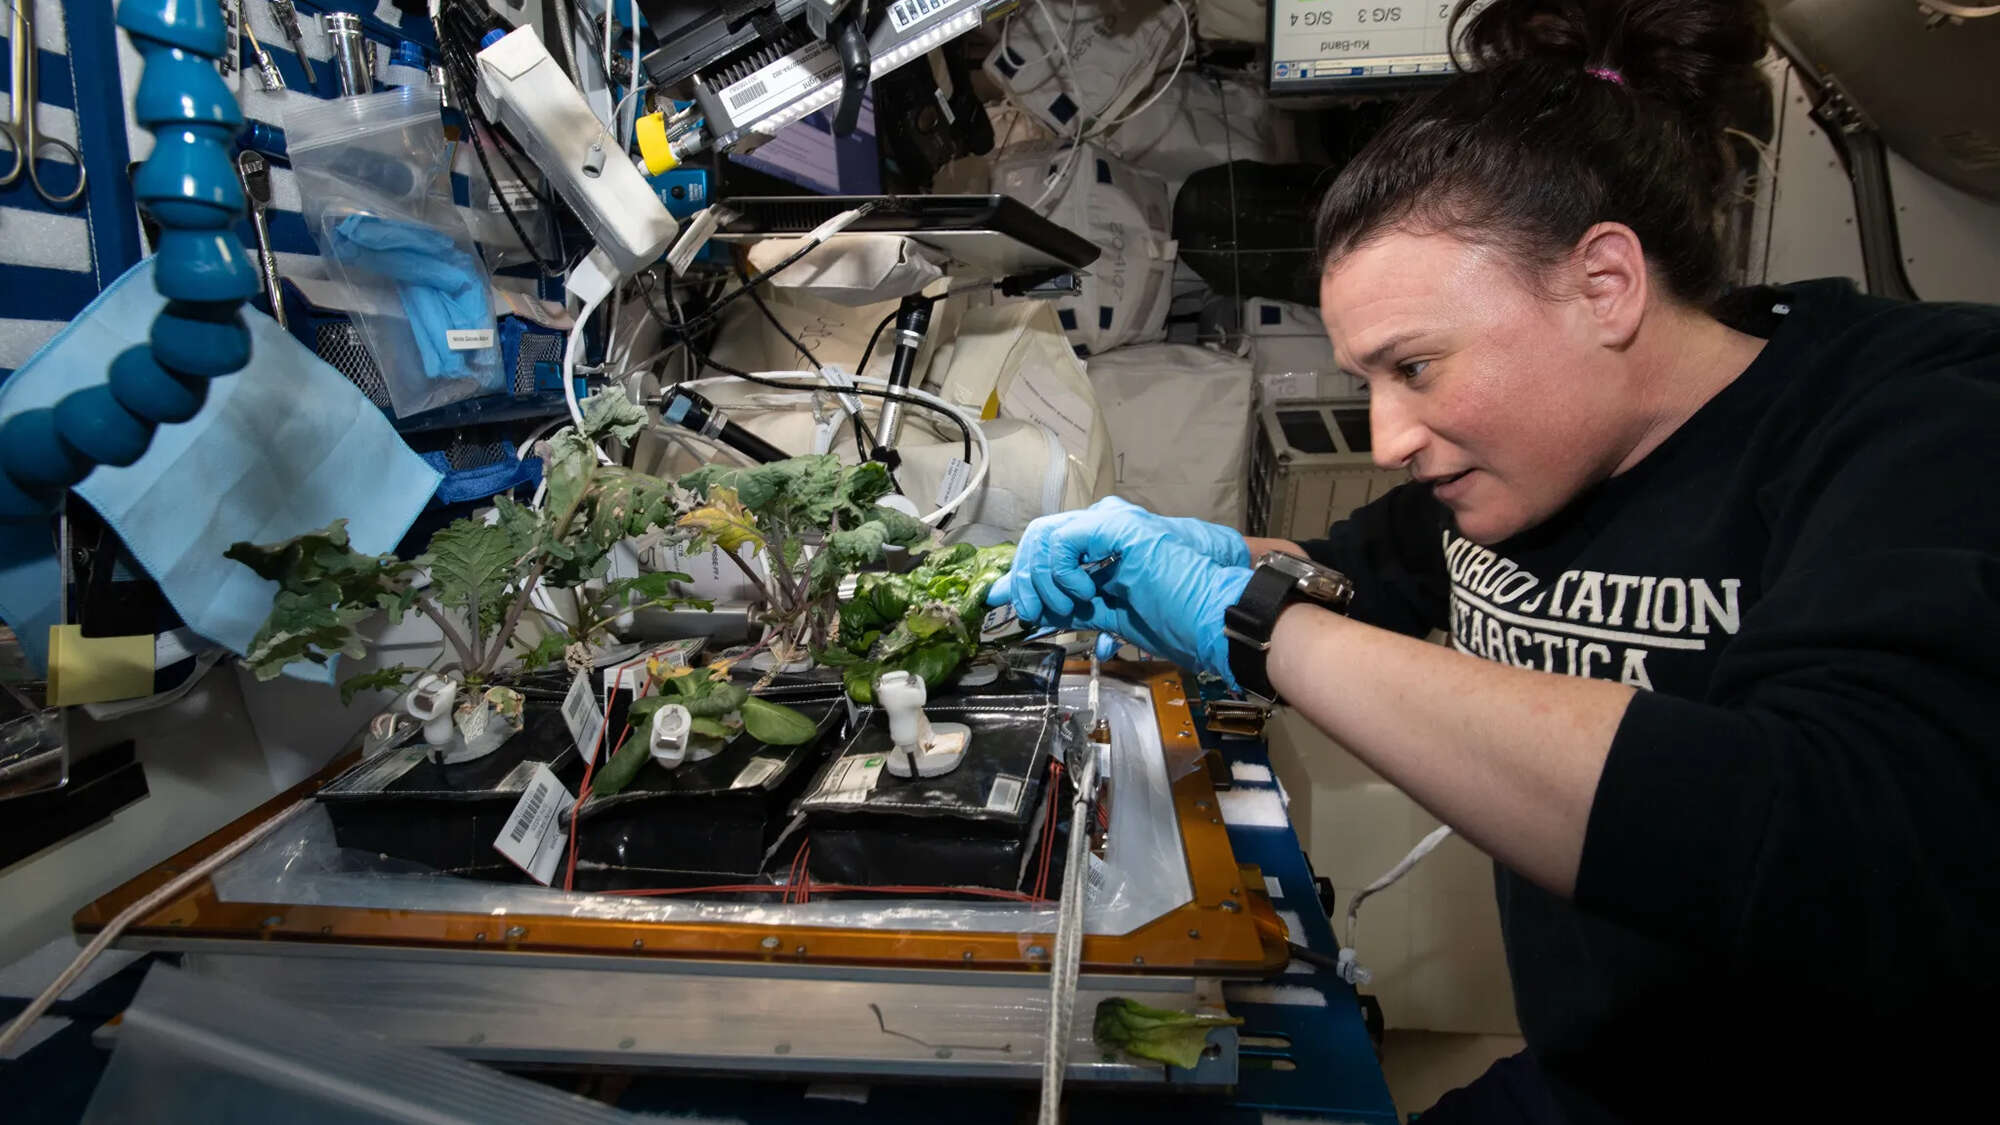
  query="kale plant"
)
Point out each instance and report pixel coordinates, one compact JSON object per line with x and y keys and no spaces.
{"x":925,"y":621}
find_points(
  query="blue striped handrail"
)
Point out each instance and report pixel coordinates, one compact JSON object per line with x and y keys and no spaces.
{"x":189,"y":187}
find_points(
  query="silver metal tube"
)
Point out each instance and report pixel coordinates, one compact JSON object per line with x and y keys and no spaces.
{"x":353,"y":54}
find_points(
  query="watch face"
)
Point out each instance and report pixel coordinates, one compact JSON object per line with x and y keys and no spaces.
{"x":1322,"y":584}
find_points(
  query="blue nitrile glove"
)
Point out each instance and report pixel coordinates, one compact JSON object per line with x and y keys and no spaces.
{"x":1161,"y":595}
{"x":1048,"y":576}
{"x":440,"y":286}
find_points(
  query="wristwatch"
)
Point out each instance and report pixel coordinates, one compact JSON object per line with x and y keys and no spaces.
{"x":1279,"y":581}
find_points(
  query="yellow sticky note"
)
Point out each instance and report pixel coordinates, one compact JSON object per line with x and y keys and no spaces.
{"x":97,"y":669}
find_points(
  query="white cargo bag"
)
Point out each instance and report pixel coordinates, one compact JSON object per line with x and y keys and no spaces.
{"x":1180,"y":419}
{"x":1201,"y":121}
{"x":1124,"y":211}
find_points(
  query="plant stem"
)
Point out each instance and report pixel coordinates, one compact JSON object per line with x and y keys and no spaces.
{"x":431,"y":610}
{"x":513,"y":617}
{"x":668,"y":602}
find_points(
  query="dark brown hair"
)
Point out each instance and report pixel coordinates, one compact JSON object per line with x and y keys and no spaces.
{"x":1568,"y":113}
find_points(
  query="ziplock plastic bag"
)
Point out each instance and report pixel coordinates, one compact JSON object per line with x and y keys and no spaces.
{"x":372,"y":175}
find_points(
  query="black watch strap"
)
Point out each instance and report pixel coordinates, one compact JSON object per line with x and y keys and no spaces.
{"x":1248,"y":625}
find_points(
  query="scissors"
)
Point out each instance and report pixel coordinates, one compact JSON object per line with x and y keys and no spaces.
{"x":24,"y":138}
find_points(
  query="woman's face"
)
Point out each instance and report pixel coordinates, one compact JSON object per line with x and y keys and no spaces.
{"x":1505,"y":401}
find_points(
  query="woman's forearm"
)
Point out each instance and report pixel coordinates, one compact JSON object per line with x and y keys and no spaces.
{"x":1509,"y":758}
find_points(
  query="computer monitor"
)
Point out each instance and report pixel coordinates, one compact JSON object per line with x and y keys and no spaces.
{"x":1339,"y":46}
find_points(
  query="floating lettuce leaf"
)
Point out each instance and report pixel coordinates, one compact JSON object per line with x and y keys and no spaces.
{"x":1174,"y":1038}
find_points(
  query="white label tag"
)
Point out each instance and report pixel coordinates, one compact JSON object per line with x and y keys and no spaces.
{"x":586,"y":722}
{"x":759,"y":771}
{"x":1005,"y":796}
{"x":1095,"y":878}
{"x":906,"y":14}
{"x":781,"y":82}
{"x":998,"y":623}
{"x":956,"y":474}
{"x":694,"y":236}
{"x":469,"y":339}
{"x":852,"y":778}
{"x":531,"y":839}
{"x":675,"y":654}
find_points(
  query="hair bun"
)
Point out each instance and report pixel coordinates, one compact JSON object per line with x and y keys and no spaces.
{"x":1700,"y":54}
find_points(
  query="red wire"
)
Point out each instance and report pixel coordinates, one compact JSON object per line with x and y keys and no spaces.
{"x":841,"y":888}
{"x":1049,"y":830}
{"x":590,"y":767}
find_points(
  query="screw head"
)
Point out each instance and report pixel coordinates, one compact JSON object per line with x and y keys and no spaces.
{"x":274,"y":920}
{"x":770,"y":943}
{"x":1195,"y":934}
{"x":625,"y":1044}
{"x":480,"y":936}
{"x":1201,"y":804}
{"x":1229,"y":905}
{"x":326,"y":929}
{"x":782,"y":1049}
{"x":968,"y":955}
{"x":1036,"y":951}
{"x":1138,"y":960}
{"x":517,"y":931}
{"x":638,"y":943}
{"x":944,"y":1052}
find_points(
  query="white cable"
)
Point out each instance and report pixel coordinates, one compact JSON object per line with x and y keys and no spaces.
{"x":591,"y":280}
{"x":970,"y":423}
{"x":167,"y":892}
{"x":1349,"y":970}
{"x":626,"y":137}
{"x":521,"y":451}
{"x":1187,"y":48}
{"x":1068,"y":955}
{"x":609,"y":85}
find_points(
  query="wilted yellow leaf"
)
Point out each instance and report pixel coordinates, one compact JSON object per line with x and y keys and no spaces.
{"x":724,"y":521}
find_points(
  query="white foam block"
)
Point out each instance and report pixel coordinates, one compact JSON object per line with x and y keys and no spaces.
{"x":1293,"y":995}
{"x":1252,"y":808}
{"x":1250,"y":772}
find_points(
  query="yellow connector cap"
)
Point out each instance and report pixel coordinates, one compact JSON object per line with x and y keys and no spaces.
{"x":653,"y":146}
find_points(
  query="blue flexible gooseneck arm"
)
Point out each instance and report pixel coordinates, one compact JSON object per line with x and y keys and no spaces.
{"x":189,"y":187}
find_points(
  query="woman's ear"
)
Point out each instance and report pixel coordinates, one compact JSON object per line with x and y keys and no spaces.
{"x":1611,"y":265}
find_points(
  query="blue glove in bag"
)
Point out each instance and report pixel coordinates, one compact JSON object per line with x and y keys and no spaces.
{"x":443,"y":290}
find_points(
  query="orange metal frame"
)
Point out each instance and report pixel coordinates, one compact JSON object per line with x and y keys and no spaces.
{"x":1229,"y":928}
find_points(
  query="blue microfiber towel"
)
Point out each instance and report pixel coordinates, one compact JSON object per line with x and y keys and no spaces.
{"x":441,"y":287}
{"x":282,"y":447}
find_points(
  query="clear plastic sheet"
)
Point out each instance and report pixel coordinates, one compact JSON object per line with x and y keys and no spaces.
{"x":1144,"y":873}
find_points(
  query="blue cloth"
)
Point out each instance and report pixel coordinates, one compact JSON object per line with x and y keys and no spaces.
{"x":1161,"y":594}
{"x":284,"y":446}
{"x":462,"y":485}
{"x":441,"y":286}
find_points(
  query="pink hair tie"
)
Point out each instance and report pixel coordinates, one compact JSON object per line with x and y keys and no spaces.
{"x":1607,"y":73}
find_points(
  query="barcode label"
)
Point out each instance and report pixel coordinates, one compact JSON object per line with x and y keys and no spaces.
{"x":1005,"y":797}
{"x":906,"y":14}
{"x":586,"y":722}
{"x":532,"y":839}
{"x":1095,"y":878}
{"x":759,"y":771}
{"x":531,"y":808}
{"x":852,"y":778}
{"x":756,"y":95}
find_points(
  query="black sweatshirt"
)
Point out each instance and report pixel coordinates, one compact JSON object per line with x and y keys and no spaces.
{"x":1790,"y":882}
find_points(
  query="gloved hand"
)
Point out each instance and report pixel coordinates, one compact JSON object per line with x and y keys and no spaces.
{"x":1162,"y":595}
{"x":1048,"y":578}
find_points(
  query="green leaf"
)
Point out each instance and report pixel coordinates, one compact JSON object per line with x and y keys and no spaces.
{"x":391,"y":678}
{"x":640,"y":712}
{"x":935,"y":662}
{"x":622,"y":767}
{"x":859,"y":680}
{"x":472,"y":564}
{"x":774,"y":724}
{"x":609,"y":414}
{"x":548,"y":650}
{"x":1175,"y":1038}
{"x":711,"y":728}
{"x":325,"y":590}
{"x":655,"y":586}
